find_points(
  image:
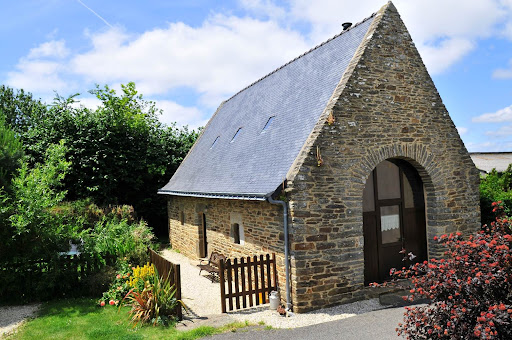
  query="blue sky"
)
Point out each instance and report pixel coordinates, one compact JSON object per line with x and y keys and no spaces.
{"x":188,"y":56}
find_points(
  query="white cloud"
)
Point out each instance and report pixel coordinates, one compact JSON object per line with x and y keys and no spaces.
{"x":216,"y":59}
{"x":40,"y":71}
{"x":502,"y":131}
{"x":227,"y":52}
{"x":91,"y":103}
{"x":37,"y":76}
{"x":440,"y":57}
{"x":264,"y":7}
{"x":326,"y":16}
{"x":502,"y":115}
{"x":53,"y":48}
{"x":462,"y":130}
{"x":443,"y":30}
{"x":503,"y":73}
{"x":174,"y":112}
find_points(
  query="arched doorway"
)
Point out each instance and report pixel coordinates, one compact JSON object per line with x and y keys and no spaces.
{"x":393,"y":218}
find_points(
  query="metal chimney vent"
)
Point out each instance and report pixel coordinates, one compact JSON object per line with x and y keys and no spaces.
{"x":346,"y":25}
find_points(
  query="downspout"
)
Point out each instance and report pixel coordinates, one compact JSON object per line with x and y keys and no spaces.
{"x":286,"y":255}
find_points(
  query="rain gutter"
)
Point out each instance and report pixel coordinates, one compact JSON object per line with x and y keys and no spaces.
{"x":286,"y":254}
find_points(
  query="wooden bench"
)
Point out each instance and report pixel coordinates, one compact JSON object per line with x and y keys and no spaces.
{"x":213,"y":264}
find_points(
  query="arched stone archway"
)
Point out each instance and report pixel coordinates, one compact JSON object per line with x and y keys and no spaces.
{"x":393,"y":219}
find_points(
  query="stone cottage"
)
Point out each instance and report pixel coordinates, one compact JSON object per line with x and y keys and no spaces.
{"x":335,"y":161}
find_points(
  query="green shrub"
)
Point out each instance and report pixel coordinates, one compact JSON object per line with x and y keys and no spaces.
{"x":38,"y":226}
{"x":35,"y":232}
{"x":119,"y":237}
{"x":495,"y":187}
{"x":469,"y":290}
{"x":98,"y":282}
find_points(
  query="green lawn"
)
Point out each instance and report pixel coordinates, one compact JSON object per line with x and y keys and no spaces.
{"x":82,"y":319}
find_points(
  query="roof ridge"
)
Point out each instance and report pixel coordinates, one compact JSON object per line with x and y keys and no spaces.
{"x":300,"y":56}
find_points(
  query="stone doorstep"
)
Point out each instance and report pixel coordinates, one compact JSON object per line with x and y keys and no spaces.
{"x":394,"y":299}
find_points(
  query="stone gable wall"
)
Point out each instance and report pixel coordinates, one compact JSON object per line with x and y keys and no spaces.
{"x":262,"y":225}
{"x":386,"y":106}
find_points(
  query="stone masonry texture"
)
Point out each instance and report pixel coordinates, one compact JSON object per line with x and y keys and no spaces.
{"x":385,"y":106}
{"x":262,"y":225}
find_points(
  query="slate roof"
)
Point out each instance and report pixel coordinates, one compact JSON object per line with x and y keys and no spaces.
{"x":486,"y":161}
{"x":255,"y":163}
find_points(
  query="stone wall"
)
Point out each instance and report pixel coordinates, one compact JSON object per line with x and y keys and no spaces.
{"x":386,"y":106}
{"x":261,"y":222}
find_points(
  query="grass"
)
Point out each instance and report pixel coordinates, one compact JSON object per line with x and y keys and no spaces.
{"x":83,"y":319}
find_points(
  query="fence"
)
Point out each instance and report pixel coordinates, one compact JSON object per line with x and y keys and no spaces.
{"x":43,"y":279}
{"x":249,"y":279}
{"x":171,"y":271}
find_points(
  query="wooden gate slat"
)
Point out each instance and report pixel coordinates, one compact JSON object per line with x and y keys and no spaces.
{"x":256,"y":290}
{"x":222,"y":286}
{"x":230,"y":281}
{"x":242,"y":277}
{"x":269,"y":278}
{"x":262,"y":289}
{"x":237,"y":285}
{"x":249,"y":281}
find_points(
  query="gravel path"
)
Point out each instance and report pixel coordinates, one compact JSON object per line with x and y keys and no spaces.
{"x":202,"y":298}
{"x":11,"y":317}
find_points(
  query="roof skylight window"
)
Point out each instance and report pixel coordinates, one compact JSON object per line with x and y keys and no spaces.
{"x":214,"y":142}
{"x":236,"y":134}
{"x":269,"y":121}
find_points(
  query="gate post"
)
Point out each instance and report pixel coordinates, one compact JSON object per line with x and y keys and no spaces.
{"x":222,"y":286}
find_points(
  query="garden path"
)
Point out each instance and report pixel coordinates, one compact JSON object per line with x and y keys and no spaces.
{"x":200,"y":294}
{"x":202,"y":298}
{"x":11,"y":317}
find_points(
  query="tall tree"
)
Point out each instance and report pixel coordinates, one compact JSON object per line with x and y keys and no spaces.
{"x":11,"y":150}
{"x":120,"y":153}
{"x":20,"y":110}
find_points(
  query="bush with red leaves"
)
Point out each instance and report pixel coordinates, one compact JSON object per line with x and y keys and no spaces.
{"x":470,"y":291}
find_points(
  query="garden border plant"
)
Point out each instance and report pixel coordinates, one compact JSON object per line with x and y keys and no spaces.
{"x":470,"y":290}
{"x":152,"y":298}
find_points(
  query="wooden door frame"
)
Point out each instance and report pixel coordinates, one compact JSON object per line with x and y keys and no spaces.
{"x":376,"y":215}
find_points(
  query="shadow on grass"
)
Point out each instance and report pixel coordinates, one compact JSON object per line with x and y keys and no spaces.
{"x":69,"y":308}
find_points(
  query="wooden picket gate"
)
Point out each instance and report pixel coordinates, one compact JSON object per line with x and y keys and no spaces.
{"x":171,"y":271}
{"x":250,"y":278}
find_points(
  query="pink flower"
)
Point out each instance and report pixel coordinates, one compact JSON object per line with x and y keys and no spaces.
{"x":111,"y":302}
{"x":102,"y":303}
{"x":118,"y":276}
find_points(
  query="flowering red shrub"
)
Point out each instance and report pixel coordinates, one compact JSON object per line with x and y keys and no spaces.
{"x":470,"y":291}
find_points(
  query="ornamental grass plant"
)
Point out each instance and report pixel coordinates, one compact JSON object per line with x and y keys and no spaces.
{"x":155,"y":304}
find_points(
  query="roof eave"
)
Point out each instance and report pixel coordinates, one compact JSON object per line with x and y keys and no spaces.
{"x":229,"y":196}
